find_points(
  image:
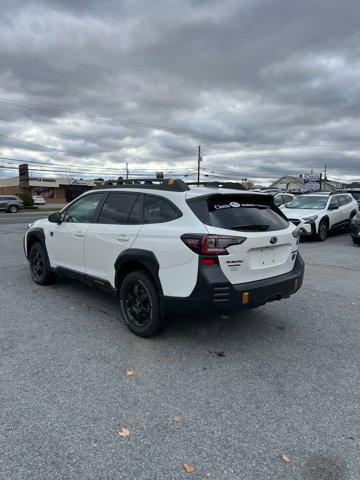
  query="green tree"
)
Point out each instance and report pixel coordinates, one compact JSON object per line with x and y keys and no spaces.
{"x":26,"y":198}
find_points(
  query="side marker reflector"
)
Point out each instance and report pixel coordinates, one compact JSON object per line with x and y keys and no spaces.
{"x":245,"y":298}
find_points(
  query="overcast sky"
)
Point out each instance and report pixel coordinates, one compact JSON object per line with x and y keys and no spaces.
{"x":266,"y":87}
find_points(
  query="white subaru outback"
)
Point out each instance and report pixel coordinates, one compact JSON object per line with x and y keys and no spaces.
{"x":165,"y":247}
{"x":318,"y":213}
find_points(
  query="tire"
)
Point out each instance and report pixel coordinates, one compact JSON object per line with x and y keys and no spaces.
{"x":40,"y":268}
{"x":139,"y":304}
{"x":348,"y":225}
{"x":356,"y":241}
{"x":13,"y":209}
{"x":323,"y":231}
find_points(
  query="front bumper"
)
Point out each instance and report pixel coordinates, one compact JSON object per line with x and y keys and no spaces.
{"x":308,"y":229}
{"x":214,"y":293}
{"x":355,"y":230}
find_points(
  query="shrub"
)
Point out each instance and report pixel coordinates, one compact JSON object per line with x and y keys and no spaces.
{"x":26,"y":198}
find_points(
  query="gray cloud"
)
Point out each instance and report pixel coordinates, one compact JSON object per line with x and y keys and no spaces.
{"x":272,"y":87}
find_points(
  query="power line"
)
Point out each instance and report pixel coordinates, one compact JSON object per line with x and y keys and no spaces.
{"x":93,"y":170}
{"x":146,"y":126}
{"x":69,"y":152}
{"x":82,"y":134}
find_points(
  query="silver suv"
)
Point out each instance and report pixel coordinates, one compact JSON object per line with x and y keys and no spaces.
{"x":11,"y":203}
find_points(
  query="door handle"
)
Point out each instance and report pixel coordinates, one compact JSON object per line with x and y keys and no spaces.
{"x":79,"y":234}
{"x":123,"y":238}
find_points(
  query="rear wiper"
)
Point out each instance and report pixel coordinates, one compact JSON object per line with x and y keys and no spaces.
{"x":251,"y":228}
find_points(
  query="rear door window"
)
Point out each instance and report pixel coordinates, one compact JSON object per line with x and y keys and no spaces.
{"x":240,"y":212}
{"x":117,"y":208}
{"x":342,"y":199}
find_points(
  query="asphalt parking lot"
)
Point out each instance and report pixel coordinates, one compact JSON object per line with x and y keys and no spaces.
{"x":282,"y":379}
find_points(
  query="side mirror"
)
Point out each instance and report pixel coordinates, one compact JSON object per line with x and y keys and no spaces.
{"x":334,"y":207}
{"x":55,"y":218}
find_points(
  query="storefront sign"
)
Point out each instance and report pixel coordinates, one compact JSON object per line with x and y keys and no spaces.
{"x":312,"y":181}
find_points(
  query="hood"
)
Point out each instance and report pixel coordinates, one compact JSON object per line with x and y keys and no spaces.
{"x":300,"y":213}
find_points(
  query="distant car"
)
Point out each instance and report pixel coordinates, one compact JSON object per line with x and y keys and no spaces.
{"x":11,"y":203}
{"x":271,"y":191}
{"x":318,"y":213}
{"x":355,"y":229}
{"x":38,"y":200}
{"x":283,"y":198}
{"x":355,"y":192}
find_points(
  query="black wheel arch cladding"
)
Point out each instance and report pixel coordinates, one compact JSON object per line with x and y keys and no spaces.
{"x":136,"y":258}
{"x":35,"y":235}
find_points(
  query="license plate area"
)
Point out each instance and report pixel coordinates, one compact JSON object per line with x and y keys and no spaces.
{"x":265,"y":257}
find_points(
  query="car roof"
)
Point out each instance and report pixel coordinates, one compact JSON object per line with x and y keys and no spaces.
{"x":322,"y":194}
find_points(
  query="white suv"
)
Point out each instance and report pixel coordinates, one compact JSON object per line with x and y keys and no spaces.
{"x":164,"y":247}
{"x":318,"y":213}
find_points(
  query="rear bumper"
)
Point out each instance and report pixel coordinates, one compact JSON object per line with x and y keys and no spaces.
{"x":214,"y":293}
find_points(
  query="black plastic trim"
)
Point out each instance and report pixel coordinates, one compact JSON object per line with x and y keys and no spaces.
{"x":88,"y":279}
{"x":144,"y":257}
{"x":39,"y":234}
{"x":214,"y":293}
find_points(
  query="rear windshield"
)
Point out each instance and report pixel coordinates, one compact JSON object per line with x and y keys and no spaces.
{"x":251,"y":213}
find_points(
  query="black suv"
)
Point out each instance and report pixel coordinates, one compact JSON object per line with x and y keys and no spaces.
{"x":355,"y":228}
{"x":11,"y":203}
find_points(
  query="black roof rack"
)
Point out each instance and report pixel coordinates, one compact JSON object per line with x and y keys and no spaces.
{"x":230,"y":185}
{"x":169,"y":184}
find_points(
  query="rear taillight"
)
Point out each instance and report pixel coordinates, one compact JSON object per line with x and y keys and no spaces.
{"x":211,"y":244}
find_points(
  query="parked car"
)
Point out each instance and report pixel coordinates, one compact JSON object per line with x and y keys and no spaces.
{"x":318,"y":213}
{"x":271,"y":191}
{"x":355,"y":229}
{"x":165,"y":247}
{"x":38,"y":200}
{"x":11,"y":203}
{"x":283,"y":198}
{"x":355,"y":192}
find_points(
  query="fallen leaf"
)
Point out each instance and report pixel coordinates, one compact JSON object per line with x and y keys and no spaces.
{"x":176,"y":419}
{"x":161,"y":359}
{"x":188,"y":468}
{"x":130,"y":373}
{"x":124,"y":432}
{"x":285,"y":458}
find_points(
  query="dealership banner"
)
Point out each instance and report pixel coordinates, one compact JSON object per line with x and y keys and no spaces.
{"x":312,"y":181}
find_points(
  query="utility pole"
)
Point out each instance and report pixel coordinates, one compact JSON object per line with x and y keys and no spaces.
{"x":127,"y":171}
{"x":325,"y":174}
{"x":198,"y":164}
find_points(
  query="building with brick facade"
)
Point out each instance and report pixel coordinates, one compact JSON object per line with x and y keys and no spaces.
{"x":54,"y":190}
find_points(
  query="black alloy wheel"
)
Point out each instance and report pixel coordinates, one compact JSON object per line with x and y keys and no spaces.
{"x":139,"y":304}
{"x":323,"y":231}
{"x":39,"y":265}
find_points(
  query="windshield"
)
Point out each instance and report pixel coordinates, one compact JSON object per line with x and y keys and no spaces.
{"x":312,"y":202}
